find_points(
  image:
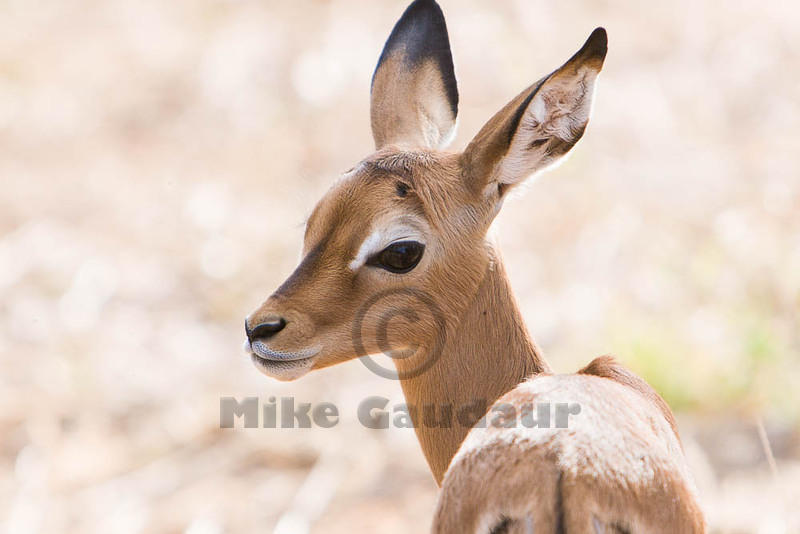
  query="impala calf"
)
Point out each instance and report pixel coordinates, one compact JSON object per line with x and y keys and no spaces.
{"x":409,"y":222}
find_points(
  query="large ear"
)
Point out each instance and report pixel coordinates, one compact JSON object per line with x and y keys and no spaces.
{"x":539,"y":126}
{"x":414,"y":99}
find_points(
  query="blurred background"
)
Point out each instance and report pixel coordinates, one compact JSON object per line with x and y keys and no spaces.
{"x":157,"y":162}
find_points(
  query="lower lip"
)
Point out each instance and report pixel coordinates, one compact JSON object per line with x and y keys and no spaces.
{"x":262,"y":352}
{"x":278,"y":365}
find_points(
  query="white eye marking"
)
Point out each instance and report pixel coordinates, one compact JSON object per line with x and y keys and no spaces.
{"x":368,"y":247}
{"x":380,"y":239}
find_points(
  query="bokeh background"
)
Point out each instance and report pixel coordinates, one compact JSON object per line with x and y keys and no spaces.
{"x":158,"y":159}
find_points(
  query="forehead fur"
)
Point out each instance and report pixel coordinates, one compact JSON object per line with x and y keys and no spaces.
{"x":434,"y":178}
{"x":403,"y":164}
{"x":431,"y":181}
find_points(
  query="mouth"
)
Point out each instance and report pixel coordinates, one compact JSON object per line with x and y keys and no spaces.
{"x":283,"y":365}
{"x":260,"y":349}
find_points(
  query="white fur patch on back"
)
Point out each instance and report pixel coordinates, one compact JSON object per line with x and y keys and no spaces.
{"x":614,"y":436}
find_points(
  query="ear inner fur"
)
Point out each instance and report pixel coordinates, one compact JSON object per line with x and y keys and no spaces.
{"x":497,"y":153}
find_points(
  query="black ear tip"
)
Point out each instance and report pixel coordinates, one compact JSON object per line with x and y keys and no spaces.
{"x":421,"y":6}
{"x":421,"y":35}
{"x":597,"y":44}
{"x":421,"y":17}
{"x":431,"y":3}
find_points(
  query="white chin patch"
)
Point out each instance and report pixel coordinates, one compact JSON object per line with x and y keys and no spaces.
{"x":283,"y":370}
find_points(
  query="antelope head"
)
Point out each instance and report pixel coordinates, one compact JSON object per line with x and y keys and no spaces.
{"x":395,"y":250}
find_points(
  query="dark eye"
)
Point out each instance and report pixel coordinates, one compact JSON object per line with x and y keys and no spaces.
{"x":399,"y":257}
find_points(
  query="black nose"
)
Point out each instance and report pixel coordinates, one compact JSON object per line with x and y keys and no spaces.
{"x":265,"y":330}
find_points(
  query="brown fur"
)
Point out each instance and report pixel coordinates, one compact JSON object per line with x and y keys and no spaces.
{"x":608,"y":367}
{"x":619,"y":467}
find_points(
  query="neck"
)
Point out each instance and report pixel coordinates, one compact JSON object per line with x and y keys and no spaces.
{"x":485,"y":355}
